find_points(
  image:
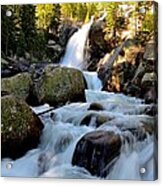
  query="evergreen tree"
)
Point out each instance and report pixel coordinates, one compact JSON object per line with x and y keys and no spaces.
{"x":9,"y":29}
{"x":28,"y":28}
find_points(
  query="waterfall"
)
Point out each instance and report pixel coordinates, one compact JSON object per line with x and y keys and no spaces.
{"x":93,"y":82}
{"x":74,"y":56}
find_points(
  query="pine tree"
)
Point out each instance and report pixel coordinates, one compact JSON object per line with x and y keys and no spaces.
{"x":9,"y":30}
{"x":28,"y":28}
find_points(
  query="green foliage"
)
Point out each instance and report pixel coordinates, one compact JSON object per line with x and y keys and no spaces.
{"x":27,"y":16}
{"x":44,"y":14}
{"x":8,"y":30}
{"x":78,"y":11}
{"x":27,"y":29}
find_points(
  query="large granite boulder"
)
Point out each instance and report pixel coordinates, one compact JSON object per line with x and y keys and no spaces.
{"x":59,"y":85}
{"x":18,"y":85}
{"x":20,"y":127}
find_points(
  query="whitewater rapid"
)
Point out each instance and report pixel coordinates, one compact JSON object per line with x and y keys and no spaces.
{"x":53,"y":156}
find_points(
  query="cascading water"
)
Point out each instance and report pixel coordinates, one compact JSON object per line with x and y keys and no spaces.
{"x":53,"y":157}
{"x":74,"y":56}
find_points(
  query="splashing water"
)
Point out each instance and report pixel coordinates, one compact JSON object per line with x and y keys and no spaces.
{"x":93,"y":82}
{"x":53,"y":156}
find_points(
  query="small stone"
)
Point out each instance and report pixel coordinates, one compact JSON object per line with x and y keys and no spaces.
{"x":96,"y":107}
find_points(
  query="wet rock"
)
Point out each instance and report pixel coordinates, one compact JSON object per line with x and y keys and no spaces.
{"x":151,"y":110}
{"x":65,"y":32}
{"x":148,"y":128}
{"x":18,"y":85}
{"x":94,"y":119}
{"x":96,"y":150}
{"x":101,"y":120}
{"x":141,"y":132}
{"x":58,"y":85}
{"x":150,"y":96}
{"x":87,"y":119}
{"x":21,"y":128}
{"x":95,"y":106}
{"x":131,"y":89}
{"x":138,"y":133}
{"x":149,"y":87}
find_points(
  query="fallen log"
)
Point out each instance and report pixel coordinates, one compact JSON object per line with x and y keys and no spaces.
{"x":46,"y":111}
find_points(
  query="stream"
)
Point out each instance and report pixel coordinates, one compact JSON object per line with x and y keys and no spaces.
{"x":61,"y":133}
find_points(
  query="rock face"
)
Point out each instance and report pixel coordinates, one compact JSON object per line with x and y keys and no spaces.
{"x":98,"y":46}
{"x":18,"y":85}
{"x":65,"y":32}
{"x":20,"y":129}
{"x":57,"y":86}
{"x":96,"y":150}
{"x":134,"y":71}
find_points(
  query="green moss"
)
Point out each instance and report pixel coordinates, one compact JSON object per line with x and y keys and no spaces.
{"x":21,"y":128}
{"x":16,"y":117}
{"x":18,"y":85}
{"x":59,"y":85}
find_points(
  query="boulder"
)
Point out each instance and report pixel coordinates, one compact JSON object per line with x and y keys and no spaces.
{"x":59,"y":85}
{"x":150,"y":95}
{"x":20,"y":128}
{"x":96,"y":107}
{"x":96,"y":150}
{"x":152,"y":110}
{"x":149,"y":87}
{"x":94,"y":119}
{"x":150,"y":78}
{"x":150,"y":51}
{"x":18,"y":85}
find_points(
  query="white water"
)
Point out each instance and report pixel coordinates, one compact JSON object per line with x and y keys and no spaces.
{"x":93,"y":82}
{"x":54,"y":154}
{"x":74,"y":56}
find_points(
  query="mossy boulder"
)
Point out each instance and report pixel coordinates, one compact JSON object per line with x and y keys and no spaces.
{"x":18,"y":85}
{"x":20,"y":127}
{"x":58,"y":85}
